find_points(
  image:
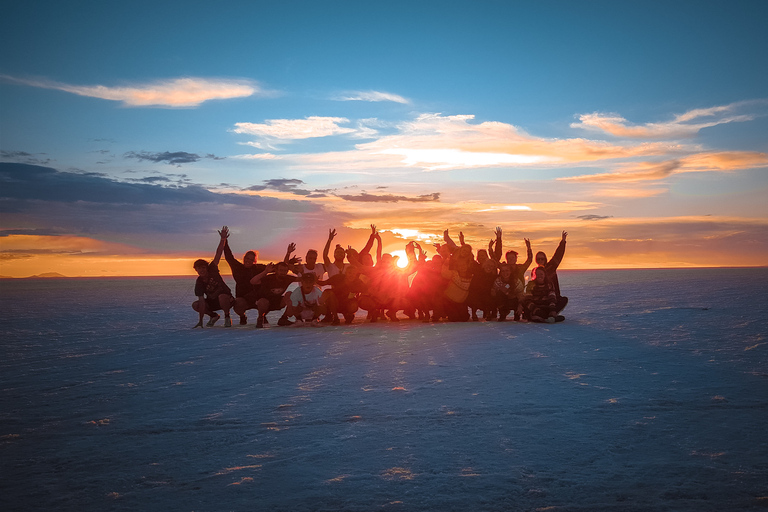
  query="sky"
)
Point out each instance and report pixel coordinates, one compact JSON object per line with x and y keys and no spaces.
{"x":130,"y":132}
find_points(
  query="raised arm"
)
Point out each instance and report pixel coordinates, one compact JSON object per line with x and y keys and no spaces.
{"x":369,"y":244}
{"x":326,"y":260}
{"x":557,"y":258}
{"x":378,"y":248}
{"x":497,"y":250}
{"x":224,"y":234}
{"x":289,"y":251}
{"x":448,"y":240}
{"x":529,"y":258}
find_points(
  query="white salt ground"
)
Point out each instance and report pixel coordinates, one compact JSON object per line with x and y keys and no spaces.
{"x":640,"y":401}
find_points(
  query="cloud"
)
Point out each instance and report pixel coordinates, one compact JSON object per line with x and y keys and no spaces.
{"x":24,"y":157}
{"x":294,"y":129}
{"x":436,"y":142}
{"x":681,"y":126}
{"x":371,"y":96}
{"x":173,"y":158}
{"x":179,"y":92}
{"x":594,"y":217}
{"x":390,"y":198}
{"x":724,"y":161}
{"x":283,"y":185}
{"x":146,"y":215}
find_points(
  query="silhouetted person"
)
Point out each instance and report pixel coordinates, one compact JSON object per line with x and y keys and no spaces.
{"x":212,"y":292}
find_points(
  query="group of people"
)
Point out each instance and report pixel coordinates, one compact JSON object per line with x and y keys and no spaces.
{"x":454,"y":285}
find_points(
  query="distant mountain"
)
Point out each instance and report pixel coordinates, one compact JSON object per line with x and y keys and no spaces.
{"x":48,"y":274}
{"x":6,"y":277}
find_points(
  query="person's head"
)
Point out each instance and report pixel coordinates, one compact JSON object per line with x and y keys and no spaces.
{"x":505,"y":271}
{"x":541,"y":259}
{"x":281,"y":268}
{"x":539,"y":275}
{"x":366,"y":260}
{"x":387,"y":260}
{"x":488,"y":266}
{"x":201,"y":267}
{"x":482,"y":256}
{"x":311,"y":258}
{"x":437,"y":261}
{"x":308,"y":282}
{"x":339,"y":253}
{"x":511,"y":257}
{"x":249,"y":258}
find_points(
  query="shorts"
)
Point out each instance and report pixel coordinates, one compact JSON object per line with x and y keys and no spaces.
{"x":251,"y":298}
{"x":213,"y":304}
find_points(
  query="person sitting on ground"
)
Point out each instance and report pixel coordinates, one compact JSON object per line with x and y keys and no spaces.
{"x":246,"y":294}
{"x":551,"y":269}
{"x":212,"y":292}
{"x":274,"y":281}
{"x":305,"y":304}
{"x":541,"y":303}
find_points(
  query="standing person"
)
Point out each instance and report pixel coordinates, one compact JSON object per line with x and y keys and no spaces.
{"x":211,"y":290}
{"x":246,"y":294}
{"x":551,"y":270}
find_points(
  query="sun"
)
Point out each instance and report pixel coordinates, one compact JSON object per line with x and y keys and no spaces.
{"x":402,"y":258}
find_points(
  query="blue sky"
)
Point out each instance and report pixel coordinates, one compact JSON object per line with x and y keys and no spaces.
{"x":639,"y":127}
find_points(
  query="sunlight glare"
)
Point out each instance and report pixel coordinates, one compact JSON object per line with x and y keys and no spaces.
{"x":402,"y":258}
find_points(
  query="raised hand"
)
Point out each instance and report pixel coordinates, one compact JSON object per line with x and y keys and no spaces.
{"x":373,"y":229}
{"x":224,"y":232}
{"x":331,"y":234}
{"x":498,"y":231}
{"x":461,"y":238}
{"x":527,"y":242}
{"x":565,"y":234}
{"x":291,"y":247}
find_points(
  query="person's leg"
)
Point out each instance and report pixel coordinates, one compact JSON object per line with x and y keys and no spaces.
{"x":285,"y":302}
{"x":242,"y":305}
{"x":263,"y":306}
{"x":225,"y":303}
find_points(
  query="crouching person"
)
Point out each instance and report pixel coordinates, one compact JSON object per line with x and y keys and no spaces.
{"x":506,"y":292}
{"x":273,"y":281}
{"x":212,"y":293}
{"x":306,"y":304}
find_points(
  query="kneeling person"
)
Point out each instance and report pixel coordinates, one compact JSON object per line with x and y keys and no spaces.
{"x":305,"y":302}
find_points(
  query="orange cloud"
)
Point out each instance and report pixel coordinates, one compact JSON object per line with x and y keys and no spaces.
{"x":180,"y":92}
{"x":680,"y":126}
{"x":725,"y":161}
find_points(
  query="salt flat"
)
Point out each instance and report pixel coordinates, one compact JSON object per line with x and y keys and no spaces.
{"x":620,"y":411}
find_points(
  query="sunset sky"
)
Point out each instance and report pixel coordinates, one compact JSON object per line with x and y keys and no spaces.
{"x":132,"y":131}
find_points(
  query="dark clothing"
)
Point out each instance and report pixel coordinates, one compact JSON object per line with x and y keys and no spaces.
{"x":519,"y":269}
{"x":551,"y":267}
{"x":479,"y":296}
{"x":542,"y":301}
{"x":242,"y":274}
{"x":212,"y":285}
{"x":273,"y":286}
